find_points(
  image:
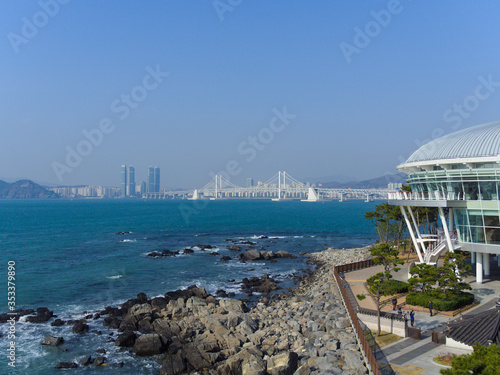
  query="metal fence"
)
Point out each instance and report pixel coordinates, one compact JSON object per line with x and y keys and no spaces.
{"x":365,"y":346}
{"x":355,"y":266}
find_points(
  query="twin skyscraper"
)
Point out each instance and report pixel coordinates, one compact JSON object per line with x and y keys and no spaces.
{"x":128,"y":187}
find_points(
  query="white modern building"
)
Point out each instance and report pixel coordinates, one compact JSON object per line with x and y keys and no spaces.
{"x":459,"y":174}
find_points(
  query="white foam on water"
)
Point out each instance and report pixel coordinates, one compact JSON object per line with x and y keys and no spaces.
{"x":127,"y":240}
{"x":114,"y":277}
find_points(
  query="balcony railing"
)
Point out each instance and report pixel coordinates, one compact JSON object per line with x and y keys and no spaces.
{"x":428,"y":195}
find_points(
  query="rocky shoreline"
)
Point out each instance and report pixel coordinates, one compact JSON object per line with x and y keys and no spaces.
{"x":303,"y":331}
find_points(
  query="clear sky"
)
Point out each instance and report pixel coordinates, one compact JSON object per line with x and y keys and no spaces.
{"x":357,"y":86}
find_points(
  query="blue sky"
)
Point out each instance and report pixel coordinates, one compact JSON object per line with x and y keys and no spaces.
{"x":414,"y":75}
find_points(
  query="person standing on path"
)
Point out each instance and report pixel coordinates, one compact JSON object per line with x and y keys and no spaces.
{"x":412,"y":317}
{"x":430,"y":307}
{"x":394,"y":303}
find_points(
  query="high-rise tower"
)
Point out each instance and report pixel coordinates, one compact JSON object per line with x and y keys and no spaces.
{"x":151,"y":180}
{"x":131,"y":181}
{"x":157,"y":180}
{"x":124,"y":181}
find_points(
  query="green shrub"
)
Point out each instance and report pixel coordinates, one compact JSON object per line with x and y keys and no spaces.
{"x":393,"y":287}
{"x":361,"y":297}
{"x":439,"y":301}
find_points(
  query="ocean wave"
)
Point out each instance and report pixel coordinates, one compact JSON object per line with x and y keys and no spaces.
{"x":114,"y":277}
{"x":127,"y":240}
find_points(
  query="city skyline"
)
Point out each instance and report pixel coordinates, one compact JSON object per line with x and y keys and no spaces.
{"x":319,"y":90}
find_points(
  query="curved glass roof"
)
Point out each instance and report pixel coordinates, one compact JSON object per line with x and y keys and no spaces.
{"x":477,"y":141}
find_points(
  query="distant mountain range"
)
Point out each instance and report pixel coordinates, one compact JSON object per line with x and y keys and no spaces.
{"x":374,"y":183}
{"x":24,"y":189}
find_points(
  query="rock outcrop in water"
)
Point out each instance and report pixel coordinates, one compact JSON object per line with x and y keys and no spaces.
{"x":307,"y":330}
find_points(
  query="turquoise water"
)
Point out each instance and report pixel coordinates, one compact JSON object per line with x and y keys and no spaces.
{"x":70,"y":259}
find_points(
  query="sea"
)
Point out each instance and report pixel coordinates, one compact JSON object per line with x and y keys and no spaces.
{"x":76,"y":257}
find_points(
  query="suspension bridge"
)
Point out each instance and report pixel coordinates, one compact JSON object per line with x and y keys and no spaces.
{"x":282,"y":186}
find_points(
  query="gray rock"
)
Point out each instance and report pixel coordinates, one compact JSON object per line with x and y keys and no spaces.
{"x":285,"y":254}
{"x":231,"y":305}
{"x":80,"y":327}
{"x":85,"y":361}
{"x":126,"y":339}
{"x":52,"y":341}
{"x":98,"y":361}
{"x":254,"y":366}
{"x":173,"y":365}
{"x":140,"y":309}
{"x":283,"y":364}
{"x":251,"y":255}
{"x":149,"y":344}
{"x":303,"y":370}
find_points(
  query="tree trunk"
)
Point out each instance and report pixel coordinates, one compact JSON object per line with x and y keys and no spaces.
{"x":378,"y":311}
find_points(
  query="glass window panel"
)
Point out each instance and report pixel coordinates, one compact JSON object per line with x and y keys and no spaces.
{"x":476,"y":217}
{"x":463,"y":233}
{"x":471,"y":190}
{"x":493,"y":235}
{"x":461,"y":217}
{"x":488,"y":190}
{"x":477,"y":234}
{"x":491,"y":219}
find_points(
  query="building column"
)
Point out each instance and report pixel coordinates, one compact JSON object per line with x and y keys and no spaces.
{"x":486,"y":264}
{"x":479,"y":268}
{"x":410,"y":229}
{"x":446,"y":231}
{"x":451,"y":219}
{"x":473,"y":257}
{"x":498,"y":260}
{"x":417,"y":230}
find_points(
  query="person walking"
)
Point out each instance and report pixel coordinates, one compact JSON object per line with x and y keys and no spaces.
{"x":394,"y":303}
{"x":430,"y":308}
{"x":412,"y":317}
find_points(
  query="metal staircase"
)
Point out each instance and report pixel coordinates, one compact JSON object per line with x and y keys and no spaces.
{"x":439,"y":247}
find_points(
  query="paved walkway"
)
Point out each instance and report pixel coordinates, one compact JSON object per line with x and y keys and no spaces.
{"x":418,"y":354}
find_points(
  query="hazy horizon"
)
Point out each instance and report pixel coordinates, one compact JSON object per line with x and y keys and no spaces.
{"x":249,"y":88}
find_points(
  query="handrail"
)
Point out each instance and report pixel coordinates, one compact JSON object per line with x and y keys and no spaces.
{"x":427,"y":195}
{"x":365,"y":346}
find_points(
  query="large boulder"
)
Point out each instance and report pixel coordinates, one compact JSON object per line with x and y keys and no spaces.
{"x":140,"y":309}
{"x":285,"y":363}
{"x":98,"y":361}
{"x":166,"y":328}
{"x":231,"y":305}
{"x":251,"y":255}
{"x":267,"y":255}
{"x":173,"y":365}
{"x":126,"y":339}
{"x":254,"y":366}
{"x":43,"y":314}
{"x":159,"y":303}
{"x":57,"y":323}
{"x":85,"y":361}
{"x":80,"y":327}
{"x":285,"y":254}
{"x":195,"y":358}
{"x":52,"y":341}
{"x":234,"y":364}
{"x":149,"y":344}
{"x":129,"y":323}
